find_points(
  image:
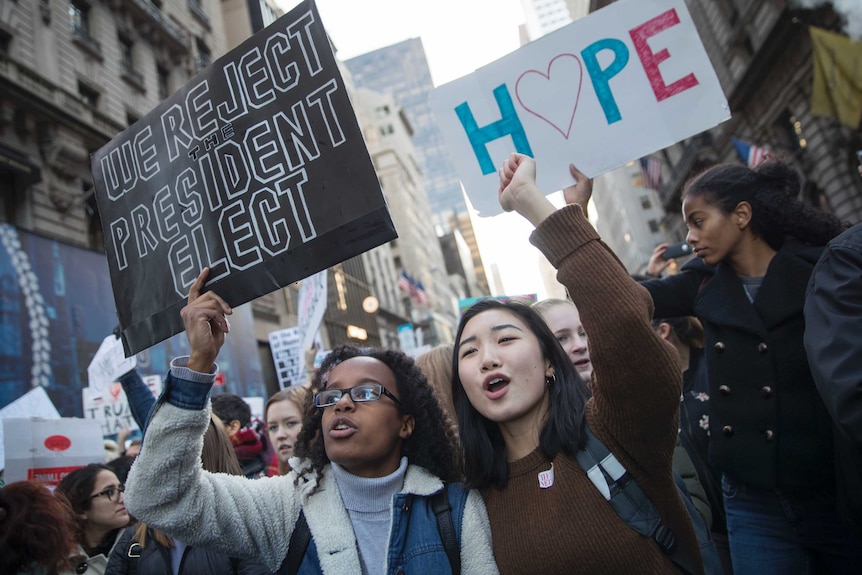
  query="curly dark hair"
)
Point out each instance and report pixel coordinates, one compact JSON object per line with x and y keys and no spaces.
{"x":772,"y":188}
{"x":37,"y":530}
{"x":432,"y":444}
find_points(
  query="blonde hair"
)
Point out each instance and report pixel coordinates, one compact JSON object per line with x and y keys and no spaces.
{"x":217,"y":456}
{"x":436,"y":364}
{"x":298,"y":395}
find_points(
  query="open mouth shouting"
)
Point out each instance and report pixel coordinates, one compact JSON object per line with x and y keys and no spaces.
{"x":342,"y":428}
{"x":495,"y":385}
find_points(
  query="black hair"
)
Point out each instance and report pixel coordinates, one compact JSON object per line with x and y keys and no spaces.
{"x":485,"y":461}
{"x":432,"y":444}
{"x":121,"y":466}
{"x":772,"y":188}
{"x":687,"y":329}
{"x":78,"y":486}
{"x":230,"y":407}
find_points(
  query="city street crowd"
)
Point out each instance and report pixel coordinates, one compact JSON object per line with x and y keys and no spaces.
{"x":708,"y":421}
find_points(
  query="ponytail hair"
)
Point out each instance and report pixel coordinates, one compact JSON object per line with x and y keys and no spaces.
{"x":772,"y":189}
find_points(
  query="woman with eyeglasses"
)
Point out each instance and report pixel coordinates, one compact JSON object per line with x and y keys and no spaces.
{"x":372,"y":457}
{"x":143,"y":550}
{"x":96,"y":497}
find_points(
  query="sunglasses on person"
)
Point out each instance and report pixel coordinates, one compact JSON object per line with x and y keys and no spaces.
{"x":112,"y":493}
{"x":359,"y":394}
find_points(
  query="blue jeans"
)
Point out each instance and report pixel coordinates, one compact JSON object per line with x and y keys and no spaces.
{"x":772,"y":532}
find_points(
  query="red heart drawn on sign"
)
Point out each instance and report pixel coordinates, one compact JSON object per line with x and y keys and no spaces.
{"x":116,"y":388}
{"x":540,"y":94}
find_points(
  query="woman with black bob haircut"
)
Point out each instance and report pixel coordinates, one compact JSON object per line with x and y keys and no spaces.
{"x":373,"y":471}
{"x":488,"y":464}
{"x":771,"y":437}
{"x":523,"y":411}
{"x":431,"y":445}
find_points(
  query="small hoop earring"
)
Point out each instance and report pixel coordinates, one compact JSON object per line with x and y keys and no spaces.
{"x":551,"y":380}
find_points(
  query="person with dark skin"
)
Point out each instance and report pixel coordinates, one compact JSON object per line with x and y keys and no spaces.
{"x":373,"y":454}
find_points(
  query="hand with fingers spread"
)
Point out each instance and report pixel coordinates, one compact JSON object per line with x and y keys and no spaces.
{"x":657,"y":263}
{"x":206,"y":324}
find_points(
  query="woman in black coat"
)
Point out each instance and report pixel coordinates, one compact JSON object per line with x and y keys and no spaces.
{"x":770,"y":434}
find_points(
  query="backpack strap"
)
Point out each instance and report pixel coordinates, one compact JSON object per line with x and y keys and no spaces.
{"x":628,"y":499}
{"x":446,"y":528}
{"x":299,"y":540}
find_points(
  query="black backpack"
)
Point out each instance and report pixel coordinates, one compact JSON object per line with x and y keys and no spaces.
{"x":635,"y":508}
{"x":442,"y":511}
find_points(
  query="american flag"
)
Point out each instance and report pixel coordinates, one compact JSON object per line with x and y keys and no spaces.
{"x":651,"y":173}
{"x":404,"y":283}
{"x":749,"y":153}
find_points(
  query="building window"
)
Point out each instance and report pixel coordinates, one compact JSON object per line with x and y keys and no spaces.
{"x":204,"y":54}
{"x":163,"y":77}
{"x":89,"y":95}
{"x":645,"y":203}
{"x":199,"y":12}
{"x":156,"y":3}
{"x":131,"y":118}
{"x":79,"y":18}
{"x":653,"y":226}
{"x":126,"y":52}
{"x":127,"y":62}
{"x":5,"y":40}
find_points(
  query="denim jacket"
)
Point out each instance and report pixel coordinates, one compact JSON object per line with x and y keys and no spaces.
{"x":168,"y":489}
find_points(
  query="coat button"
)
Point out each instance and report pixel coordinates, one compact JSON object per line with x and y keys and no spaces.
{"x":766,"y":391}
{"x":768,"y":435}
{"x":762,"y":347}
{"x":727,"y":431}
{"x":719,"y":346}
{"x":724,"y":389}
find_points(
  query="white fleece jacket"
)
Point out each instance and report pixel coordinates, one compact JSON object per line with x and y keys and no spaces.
{"x":168,"y":489}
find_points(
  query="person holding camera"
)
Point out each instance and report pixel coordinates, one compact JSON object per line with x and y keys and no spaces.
{"x":770,"y":434}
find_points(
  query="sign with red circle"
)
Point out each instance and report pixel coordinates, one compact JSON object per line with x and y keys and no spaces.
{"x":58,"y":443}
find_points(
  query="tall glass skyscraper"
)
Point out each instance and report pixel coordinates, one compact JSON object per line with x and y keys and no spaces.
{"x":402,"y":70}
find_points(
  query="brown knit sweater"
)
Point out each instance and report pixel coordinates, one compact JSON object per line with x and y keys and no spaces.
{"x":637,"y":381}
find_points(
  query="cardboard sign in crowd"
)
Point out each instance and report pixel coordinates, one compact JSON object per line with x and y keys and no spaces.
{"x":256,"y":168}
{"x":629,"y":79}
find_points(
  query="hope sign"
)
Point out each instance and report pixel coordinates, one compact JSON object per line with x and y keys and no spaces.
{"x":648,"y":84}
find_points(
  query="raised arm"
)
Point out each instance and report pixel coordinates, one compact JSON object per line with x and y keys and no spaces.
{"x":638,"y":377}
{"x":167,"y":487}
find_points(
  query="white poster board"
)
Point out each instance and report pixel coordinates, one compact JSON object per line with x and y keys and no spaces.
{"x":111,"y":406}
{"x":312,"y":306}
{"x":34,"y":403}
{"x":627,"y":80}
{"x":287,"y":356}
{"x":109,"y":363}
{"x":47,"y":450}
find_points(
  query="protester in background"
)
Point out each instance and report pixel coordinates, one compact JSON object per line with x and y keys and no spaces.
{"x":833,"y":342}
{"x":284,"y":412}
{"x":686,"y":336}
{"x":564,"y":321}
{"x":37,"y":531}
{"x":374,"y":455}
{"x":522,"y":406}
{"x":771,"y":436}
{"x":121,"y":466}
{"x":96,"y":497}
{"x":436,"y":364}
{"x":247,"y":441}
{"x":146,"y":551}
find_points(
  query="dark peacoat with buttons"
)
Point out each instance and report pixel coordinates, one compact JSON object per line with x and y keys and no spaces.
{"x":768,"y":425}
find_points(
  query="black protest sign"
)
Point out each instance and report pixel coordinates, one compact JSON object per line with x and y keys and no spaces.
{"x":256,"y":168}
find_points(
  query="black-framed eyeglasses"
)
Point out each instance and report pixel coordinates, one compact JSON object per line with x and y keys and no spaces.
{"x":359,"y":394}
{"x":112,"y":493}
